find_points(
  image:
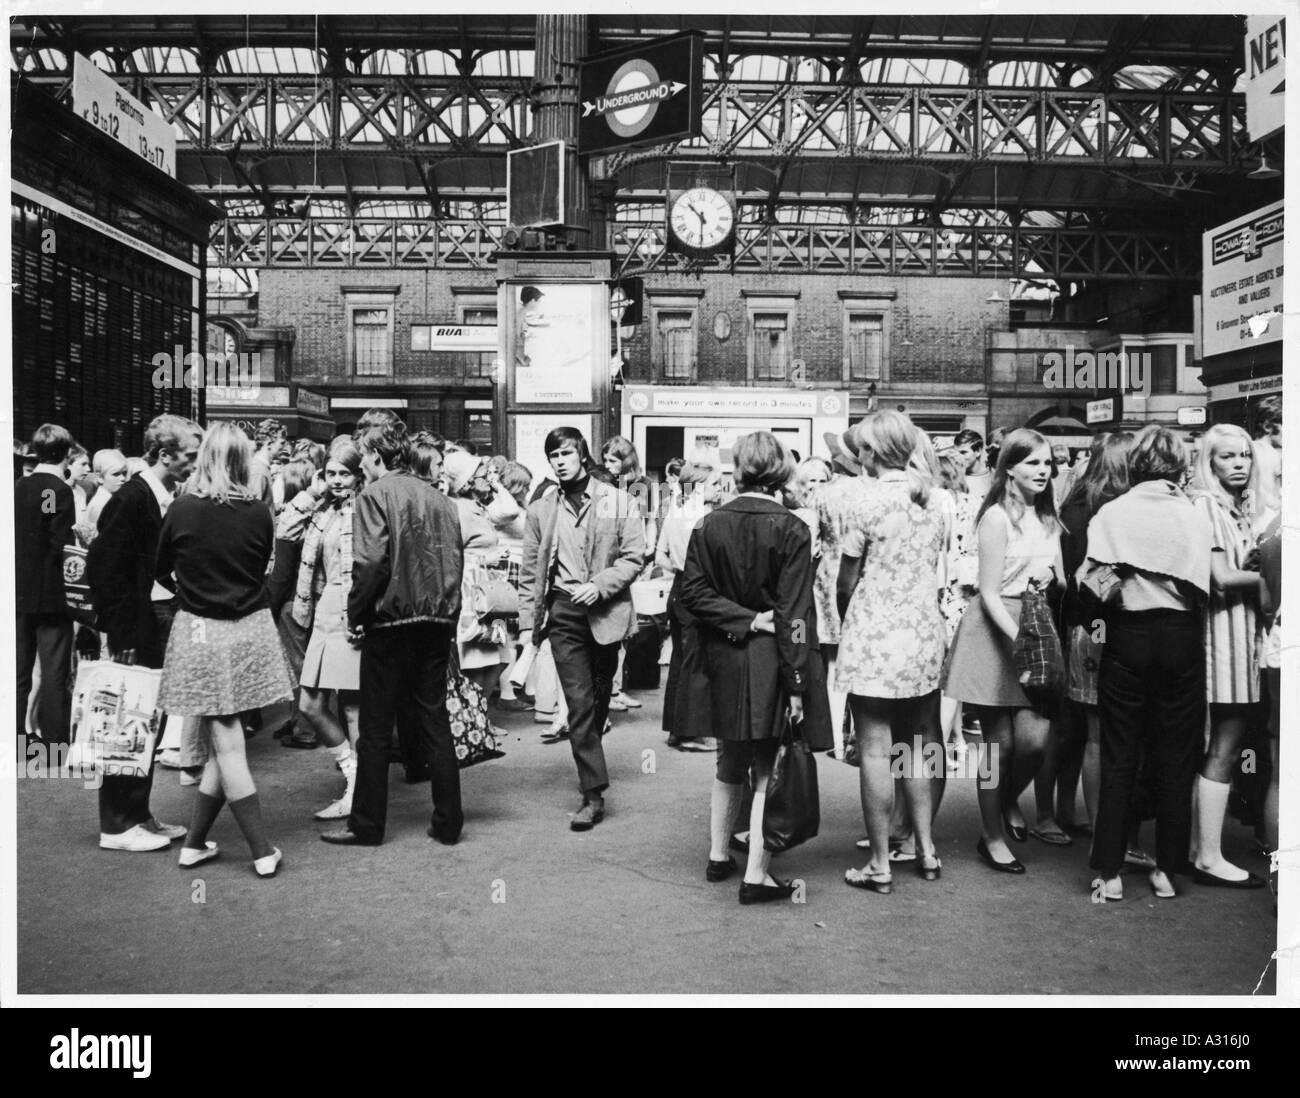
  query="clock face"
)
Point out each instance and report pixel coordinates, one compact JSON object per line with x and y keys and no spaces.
{"x":701,"y":218}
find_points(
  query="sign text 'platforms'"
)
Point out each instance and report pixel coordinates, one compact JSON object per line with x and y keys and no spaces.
{"x":1241,"y":296}
{"x":642,"y":95}
{"x":102,"y":102}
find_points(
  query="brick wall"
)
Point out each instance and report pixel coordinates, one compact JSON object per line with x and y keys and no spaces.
{"x":313,"y":302}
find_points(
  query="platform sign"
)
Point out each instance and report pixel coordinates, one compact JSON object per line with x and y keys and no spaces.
{"x":102,"y":102}
{"x":642,"y":95}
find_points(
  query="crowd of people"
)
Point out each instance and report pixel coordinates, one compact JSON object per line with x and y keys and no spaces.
{"x":1111,"y":620}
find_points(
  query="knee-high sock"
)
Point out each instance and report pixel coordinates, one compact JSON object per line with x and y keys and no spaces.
{"x":724,"y":807}
{"x":1211,"y":807}
{"x":248,"y":814}
{"x":839,"y":700}
{"x":206,"y":808}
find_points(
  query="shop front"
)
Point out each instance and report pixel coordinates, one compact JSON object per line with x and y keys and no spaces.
{"x":668,"y":422}
{"x":303,"y":413}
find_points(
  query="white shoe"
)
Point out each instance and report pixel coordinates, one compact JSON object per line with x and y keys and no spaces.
{"x":339,"y":810}
{"x":137,"y":839}
{"x":628,"y":702}
{"x":342,"y":808}
{"x":190,"y":856}
{"x":170,"y":758}
{"x":543,"y":718}
{"x":268,"y":866}
{"x":617,"y":704}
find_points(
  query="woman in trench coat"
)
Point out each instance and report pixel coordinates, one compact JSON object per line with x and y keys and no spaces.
{"x":748,"y":583}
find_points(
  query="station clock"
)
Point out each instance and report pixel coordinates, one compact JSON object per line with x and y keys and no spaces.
{"x":701,"y":221}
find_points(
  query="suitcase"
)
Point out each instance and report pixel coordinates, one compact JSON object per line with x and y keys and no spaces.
{"x":641,"y":663}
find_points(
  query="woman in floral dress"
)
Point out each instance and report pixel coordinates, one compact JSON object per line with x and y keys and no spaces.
{"x":893,"y":640}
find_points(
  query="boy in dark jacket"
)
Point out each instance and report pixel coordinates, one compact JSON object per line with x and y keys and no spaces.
{"x":402,"y":608}
{"x":44,"y":514}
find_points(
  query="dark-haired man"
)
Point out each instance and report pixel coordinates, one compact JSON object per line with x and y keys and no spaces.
{"x":970,"y":449}
{"x":402,"y":608}
{"x":135,"y":611}
{"x":584,"y":544}
{"x":44,"y":515}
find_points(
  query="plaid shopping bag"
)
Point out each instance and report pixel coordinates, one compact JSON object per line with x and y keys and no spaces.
{"x":1039,"y":661}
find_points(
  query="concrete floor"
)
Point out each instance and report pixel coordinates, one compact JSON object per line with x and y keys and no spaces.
{"x":623,"y":908}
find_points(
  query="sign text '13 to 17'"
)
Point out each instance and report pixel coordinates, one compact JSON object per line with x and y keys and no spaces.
{"x":98,"y":99}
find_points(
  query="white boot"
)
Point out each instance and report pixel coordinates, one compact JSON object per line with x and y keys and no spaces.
{"x":342,"y":808}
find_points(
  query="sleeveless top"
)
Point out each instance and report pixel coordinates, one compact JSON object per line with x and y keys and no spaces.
{"x":1030,"y":550}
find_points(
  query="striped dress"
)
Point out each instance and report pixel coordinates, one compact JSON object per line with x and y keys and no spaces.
{"x":1231,"y":622}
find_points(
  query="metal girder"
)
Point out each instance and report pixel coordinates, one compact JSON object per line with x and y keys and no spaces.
{"x":971,"y":251}
{"x":458,"y":116}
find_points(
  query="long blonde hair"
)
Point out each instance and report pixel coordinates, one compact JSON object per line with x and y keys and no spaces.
{"x":1204,"y":481}
{"x":892,"y":437}
{"x":224,"y":466}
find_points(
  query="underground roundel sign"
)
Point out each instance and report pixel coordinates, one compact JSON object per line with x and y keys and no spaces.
{"x":641,"y":95}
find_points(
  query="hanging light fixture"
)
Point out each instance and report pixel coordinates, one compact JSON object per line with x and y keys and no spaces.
{"x":995,"y":298}
{"x":1264,"y":171}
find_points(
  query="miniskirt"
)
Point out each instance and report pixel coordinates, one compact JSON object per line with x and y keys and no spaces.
{"x":331,"y":661}
{"x":979,"y":669}
{"x":218,"y":667}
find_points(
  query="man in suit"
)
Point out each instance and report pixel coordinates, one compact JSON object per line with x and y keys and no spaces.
{"x":44,"y":514}
{"x":584,"y":544}
{"x":135,"y":611}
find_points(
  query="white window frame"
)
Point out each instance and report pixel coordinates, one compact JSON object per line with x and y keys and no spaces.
{"x":765,"y":303}
{"x":674,"y":303}
{"x":355,"y":302}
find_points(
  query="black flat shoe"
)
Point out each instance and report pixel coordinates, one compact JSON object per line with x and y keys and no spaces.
{"x":926,"y":871}
{"x":302,"y":745}
{"x":763,"y":894}
{"x":415,"y":776}
{"x":1017,"y":834}
{"x":1013,"y":866}
{"x":739,"y":844}
{"x":1201,"y":877}
{"x":720,"y":871}
{"x":442,"y":838}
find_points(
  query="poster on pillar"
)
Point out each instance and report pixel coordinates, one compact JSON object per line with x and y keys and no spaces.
{"x":556,"y":335}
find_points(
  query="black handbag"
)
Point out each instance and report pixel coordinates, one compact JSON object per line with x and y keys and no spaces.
{"x":792,"y":808}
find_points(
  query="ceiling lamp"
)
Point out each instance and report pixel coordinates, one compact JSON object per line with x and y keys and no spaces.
{"x":1264,"y":171}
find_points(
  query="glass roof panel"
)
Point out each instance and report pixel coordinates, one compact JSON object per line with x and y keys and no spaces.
{"x":937,"y":71}
{"x":270,"y":60}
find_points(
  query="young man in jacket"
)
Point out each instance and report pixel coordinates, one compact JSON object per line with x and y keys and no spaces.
{"x":402,"y":608}
{"x":135,"y":611}
{"x":44,"y":514}
{"x":584,"y":544}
